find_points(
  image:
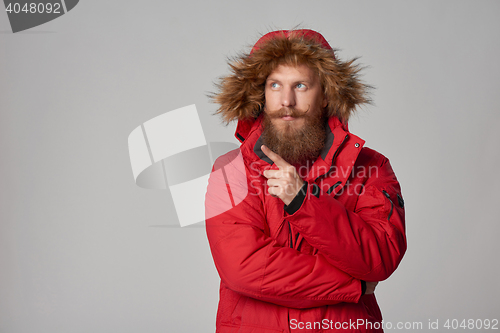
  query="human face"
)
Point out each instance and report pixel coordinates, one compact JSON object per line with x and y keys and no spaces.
{"x":291,"y":94}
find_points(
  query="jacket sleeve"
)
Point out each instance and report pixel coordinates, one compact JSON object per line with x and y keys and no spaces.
{"x":252,"y":263}
{"x":368,"y":243}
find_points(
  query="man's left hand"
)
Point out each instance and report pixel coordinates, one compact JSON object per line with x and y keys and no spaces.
{"x":285,"y":182}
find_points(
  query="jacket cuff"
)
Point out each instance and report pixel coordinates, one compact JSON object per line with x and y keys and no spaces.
{"x":363,"y":287}
{"x":298,"y":200}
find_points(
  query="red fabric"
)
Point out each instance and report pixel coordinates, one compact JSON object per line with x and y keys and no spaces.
{"x":279,"y":270}
{"x":306,"y":33}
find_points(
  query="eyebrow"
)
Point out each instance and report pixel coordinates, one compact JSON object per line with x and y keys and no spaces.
{"x":269,"y":78}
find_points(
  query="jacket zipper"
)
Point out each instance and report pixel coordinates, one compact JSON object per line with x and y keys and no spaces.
{"x":333,"y":158}
{"x":392,"y":205}
{"x":331,"y":189}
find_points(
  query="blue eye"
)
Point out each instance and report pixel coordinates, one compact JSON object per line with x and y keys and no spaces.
{"x":274,"y":85}
{"x":301,"y":85}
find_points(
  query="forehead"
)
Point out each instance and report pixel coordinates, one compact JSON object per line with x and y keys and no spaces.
{"x":300,"y":72}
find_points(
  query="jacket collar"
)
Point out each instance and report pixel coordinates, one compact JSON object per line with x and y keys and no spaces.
{"x":341,"y":147}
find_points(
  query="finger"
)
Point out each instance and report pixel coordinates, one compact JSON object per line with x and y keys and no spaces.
{"x":277,"y":159}
{"x":274,"y":191}
{"x":272,"y":174}
{"x":275,"y":182}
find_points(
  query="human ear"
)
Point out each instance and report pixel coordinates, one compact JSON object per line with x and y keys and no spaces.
{"x":324,"y":103}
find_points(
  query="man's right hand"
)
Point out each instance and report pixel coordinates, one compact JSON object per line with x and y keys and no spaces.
{"x":370,"y":287}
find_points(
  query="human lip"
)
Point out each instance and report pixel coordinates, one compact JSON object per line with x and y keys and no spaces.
{"x":288,"y":118}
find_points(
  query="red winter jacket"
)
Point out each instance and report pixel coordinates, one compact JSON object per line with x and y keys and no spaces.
{"x":300,"y":268}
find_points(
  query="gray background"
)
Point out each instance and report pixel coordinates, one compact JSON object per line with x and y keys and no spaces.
{"x":83,"y":249}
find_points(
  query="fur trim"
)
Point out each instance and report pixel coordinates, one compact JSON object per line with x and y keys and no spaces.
{"x":241,"y":94}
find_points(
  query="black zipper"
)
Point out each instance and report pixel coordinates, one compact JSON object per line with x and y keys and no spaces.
{"x":392,"y":205}
{"x":331,"y":189}
{"x":333,"y":158}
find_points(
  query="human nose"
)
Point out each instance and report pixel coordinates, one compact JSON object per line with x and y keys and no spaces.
{"x":287,"y":97}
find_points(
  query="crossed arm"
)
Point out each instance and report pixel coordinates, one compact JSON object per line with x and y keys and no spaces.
{"x":367,"y":244}
{"x":252,"y":262}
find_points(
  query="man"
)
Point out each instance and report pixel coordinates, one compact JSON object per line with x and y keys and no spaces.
{"x":302,"y":220}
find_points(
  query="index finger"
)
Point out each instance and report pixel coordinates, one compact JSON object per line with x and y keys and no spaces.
{"x":277,"y":159}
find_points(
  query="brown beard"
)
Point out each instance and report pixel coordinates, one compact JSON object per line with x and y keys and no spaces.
{"x":296,"y":146}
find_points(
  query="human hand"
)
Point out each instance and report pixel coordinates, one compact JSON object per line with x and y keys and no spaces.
{"x":370,"y":288}
{"x":285,"y":182}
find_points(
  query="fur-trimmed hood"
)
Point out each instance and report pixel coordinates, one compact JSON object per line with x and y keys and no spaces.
{"x":241,"y":94}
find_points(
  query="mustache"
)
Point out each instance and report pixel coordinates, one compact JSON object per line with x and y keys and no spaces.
{"x":287,"y":111}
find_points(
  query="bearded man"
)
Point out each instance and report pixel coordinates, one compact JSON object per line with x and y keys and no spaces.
{"x":302,"y":220}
